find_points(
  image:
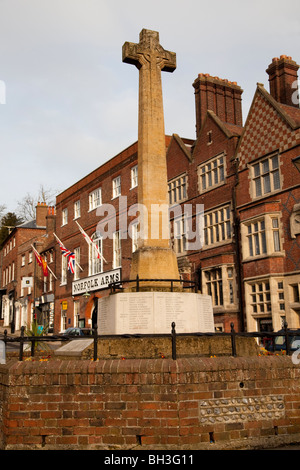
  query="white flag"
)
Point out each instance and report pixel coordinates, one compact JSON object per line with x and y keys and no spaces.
{"x":27,"y":282}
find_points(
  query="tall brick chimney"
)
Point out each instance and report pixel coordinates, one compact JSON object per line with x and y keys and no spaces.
{"x":41,"y":213}
{"x":50,"y":219}
{"x":222,"y":97}
{"x":283,"y":80}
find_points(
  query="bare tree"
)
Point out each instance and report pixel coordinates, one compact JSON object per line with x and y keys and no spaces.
{"x":26,"y":207}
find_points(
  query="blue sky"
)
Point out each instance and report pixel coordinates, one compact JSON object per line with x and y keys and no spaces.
{"x":71,"y":104}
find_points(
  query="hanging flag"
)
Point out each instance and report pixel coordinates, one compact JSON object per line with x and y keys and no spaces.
{"x":71,"y":263}
{"x":65,"y":252}
{"x":68,"y":254}
{"x":91,"y":243}
{"x":41,"y":262}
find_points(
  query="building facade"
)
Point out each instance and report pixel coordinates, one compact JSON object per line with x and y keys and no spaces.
{"x":22,"y":278}
{"x":268,"y":196}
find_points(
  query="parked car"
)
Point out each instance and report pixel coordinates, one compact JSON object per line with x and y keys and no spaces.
{"x":277,"y":343}
{"x":74,"y":331}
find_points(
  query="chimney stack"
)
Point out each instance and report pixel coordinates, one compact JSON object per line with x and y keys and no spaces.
{"x":221,"y":96}
{"x":41,"y":213}
{"x":283,"y":80}
{"x":50,"y":219}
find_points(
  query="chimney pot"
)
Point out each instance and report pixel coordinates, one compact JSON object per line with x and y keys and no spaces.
{"x":221,"y":96}
{"x":283,"y":79}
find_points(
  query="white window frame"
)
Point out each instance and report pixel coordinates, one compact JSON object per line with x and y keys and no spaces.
{"x":76,"y":313}
{"x":95,"y":263}
{"x":95,"y":199}
{"x":50,"y":282}
{"x":261,"y":237}
{"x":180,"y":239}
{"x":116,"y":187}
{"x":134,"y":236}
{"x":64,"y":268}
{"x":117,"y":251}
{"x":265,"y":176}
{"x":177,"y":189}
{"x":64,"y":215}
{"x":77,"y":262}
{"x":217,"y":226}
{"x":212,"y":173}
{"x":134,"y":176}
{"x":76,"y":209}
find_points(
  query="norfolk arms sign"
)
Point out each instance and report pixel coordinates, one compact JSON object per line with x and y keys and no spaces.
{"x":96,"y":282}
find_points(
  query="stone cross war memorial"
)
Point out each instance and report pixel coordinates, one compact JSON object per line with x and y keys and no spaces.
{"x":153,"y":309}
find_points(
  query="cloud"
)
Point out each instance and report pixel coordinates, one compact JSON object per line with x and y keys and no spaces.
{"x":71,"y":103}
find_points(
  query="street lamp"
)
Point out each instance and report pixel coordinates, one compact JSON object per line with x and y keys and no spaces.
{"x":296,"y":162}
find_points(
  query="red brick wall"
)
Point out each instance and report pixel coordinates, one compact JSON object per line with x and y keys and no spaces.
{"x":144,"y":403}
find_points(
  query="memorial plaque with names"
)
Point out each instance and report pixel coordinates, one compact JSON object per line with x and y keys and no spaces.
{"x":154,"y":313}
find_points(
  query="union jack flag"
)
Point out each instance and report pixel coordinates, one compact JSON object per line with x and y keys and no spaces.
{"x":71,"y":262}
{"x":67,"y":254}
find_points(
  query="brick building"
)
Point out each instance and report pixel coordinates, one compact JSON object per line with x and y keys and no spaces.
{"x":268,"y":196}
{"x":22,"y":280}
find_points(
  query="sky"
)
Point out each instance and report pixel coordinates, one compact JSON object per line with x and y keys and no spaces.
{"x":67,"y":101}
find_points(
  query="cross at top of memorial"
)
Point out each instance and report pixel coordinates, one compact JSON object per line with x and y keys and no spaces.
{"x":154,"y":258}
{"x":148,"y":49}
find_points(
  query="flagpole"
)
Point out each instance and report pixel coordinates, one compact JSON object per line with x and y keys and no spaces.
{"x":61,"y":243}
{"x":90,"y":241}
{"x":35,"y":251}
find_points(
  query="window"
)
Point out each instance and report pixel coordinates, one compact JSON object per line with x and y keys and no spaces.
{"x":63,"y":319}
{"x":116,"y":250}
{"x":95,"y":261}
{"x":76,"y":313}
{"x":265,"y":176}
{"x":64,"y":216}
{"x":134,"y":176}
{"x":280,"y":292}
{"x":64,"y":267}
{"x":260,"y":297}
{"x":23,"y":260}
{"x":77,"y":262}
{"x":179,"y":236}
{"x":295,"y":293}
{"x":45,"y":284}
{"x":134,"y":236}
{"x":276,"y":237}
{"x":177,"y":189}
{"x":217,"y":226}
{"x":116,"y":186}
{"x":230,"y":285}
{"x":212,"y":173}
{"x":30,"y":257}
{"x":50,"y":282}
{"x":76,"y":209}
{"x":214,"y":286}
{"x":261,"y":237}
{"x":257,"y":238}
{"x":95,"y":199}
